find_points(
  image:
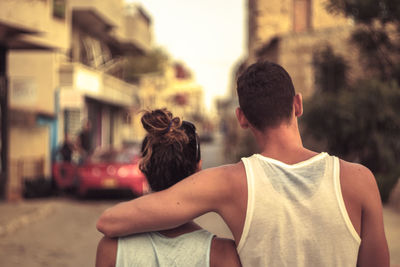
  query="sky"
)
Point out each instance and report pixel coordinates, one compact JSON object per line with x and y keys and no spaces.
{"x":208,"y":36}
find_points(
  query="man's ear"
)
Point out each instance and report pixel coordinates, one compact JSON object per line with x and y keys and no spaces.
{"x":241,"y":118}
{"x":298,"y":105}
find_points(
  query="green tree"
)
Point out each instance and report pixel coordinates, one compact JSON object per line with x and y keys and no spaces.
{"x":360,"y":121}
{"x":152,"y":62}
{"x":377,"y":33}
{"x":330,"y":70}
{"x":361,"y":124}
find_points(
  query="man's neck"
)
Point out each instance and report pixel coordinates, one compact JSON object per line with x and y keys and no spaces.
{"x":283,"y":143}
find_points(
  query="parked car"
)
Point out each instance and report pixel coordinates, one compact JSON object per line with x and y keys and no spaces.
{"x":112,"y":170}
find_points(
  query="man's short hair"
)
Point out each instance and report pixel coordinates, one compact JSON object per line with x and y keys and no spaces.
{"x":265,"y":92}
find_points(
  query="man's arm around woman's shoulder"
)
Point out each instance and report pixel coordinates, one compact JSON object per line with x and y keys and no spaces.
{"x":208,"y":190}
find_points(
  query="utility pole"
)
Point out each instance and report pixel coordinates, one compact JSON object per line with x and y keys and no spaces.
{"x":3,"y":121}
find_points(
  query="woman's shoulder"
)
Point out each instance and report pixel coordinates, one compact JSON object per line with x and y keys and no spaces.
{"x":223,"y":253}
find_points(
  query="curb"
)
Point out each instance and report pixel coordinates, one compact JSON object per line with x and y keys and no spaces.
{"x":25,"y":219}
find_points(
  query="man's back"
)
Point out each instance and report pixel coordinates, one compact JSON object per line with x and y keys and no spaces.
{"x":296,"y":215}
{"x":357,"y":194}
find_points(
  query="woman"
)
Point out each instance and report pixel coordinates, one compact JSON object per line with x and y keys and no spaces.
{"x":171,"y":152}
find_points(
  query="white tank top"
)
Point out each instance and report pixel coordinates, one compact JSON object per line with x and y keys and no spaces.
{"x":156,"y":250}
{"x":296,"y":215}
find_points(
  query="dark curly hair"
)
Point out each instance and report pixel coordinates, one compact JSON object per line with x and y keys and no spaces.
{"x":265,"y":91}
{"x":170,"y":150}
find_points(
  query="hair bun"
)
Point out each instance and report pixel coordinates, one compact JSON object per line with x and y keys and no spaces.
{"x":160,"y":122}
{"x":162,"y":128}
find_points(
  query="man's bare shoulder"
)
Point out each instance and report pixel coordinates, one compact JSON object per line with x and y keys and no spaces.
{"x":357,"y":178}
{"x":227,"y":168}
{"x":229,"y":180}
{"x":355,"y":171}
{"x":228,"y":171}
{"x":363,"y":202}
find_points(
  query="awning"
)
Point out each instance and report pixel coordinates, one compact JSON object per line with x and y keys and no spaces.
{"x":91,"y":21}
{"x":11,"y":36}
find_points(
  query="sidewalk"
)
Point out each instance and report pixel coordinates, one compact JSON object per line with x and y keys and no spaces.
{"x":14,"y":215}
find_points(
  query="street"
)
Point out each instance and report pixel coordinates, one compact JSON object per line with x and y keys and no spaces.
{"x":83,"y":81}
{"x":66,"y":236}
{"x":61,"y":231}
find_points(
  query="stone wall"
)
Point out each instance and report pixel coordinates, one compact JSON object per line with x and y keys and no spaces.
{"x":266,"y":19}
{"x":274,"y":35}
{"x":297,"y":50}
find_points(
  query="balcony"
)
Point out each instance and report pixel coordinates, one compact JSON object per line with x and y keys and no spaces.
{"x":111,"y":11}
{"x":138,"y":29}
{"x":127,"y":29}
{"x":77,"y":81}
{"x":35,"y":23}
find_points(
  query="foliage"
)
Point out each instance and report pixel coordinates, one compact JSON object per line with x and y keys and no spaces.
{"x":59,"y":8}
{"x":379,"y":24}
{"x":152,"y":62}
{"x":361,"y":124}
{"x":379,"y":52}
{"x":366,"y":11}
{"x":330,"y":70}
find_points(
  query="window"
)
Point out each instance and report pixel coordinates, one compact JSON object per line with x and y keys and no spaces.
{"x":59,"y":9}
{"x":301,"y":15}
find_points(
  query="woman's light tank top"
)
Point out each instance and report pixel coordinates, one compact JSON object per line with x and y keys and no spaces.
{"x":296,"y":215}
{"x":153,"y":249}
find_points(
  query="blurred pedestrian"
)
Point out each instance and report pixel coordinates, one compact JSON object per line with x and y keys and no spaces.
{"x":84,"y":140}
{"x":67,"y":149}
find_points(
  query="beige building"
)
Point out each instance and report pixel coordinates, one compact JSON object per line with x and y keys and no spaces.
{"x":174,"y":88}
{"x":290,"y":31}
{"x":183,"y":95}
{"x":91,"y":82}
{"x":64,"y":65}
{"x":29,"y":82}
{"x":287,"y":32}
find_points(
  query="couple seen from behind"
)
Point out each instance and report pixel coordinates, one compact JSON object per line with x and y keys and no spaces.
{"x":285,"y":206}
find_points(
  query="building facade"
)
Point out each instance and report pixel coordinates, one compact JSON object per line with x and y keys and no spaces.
{"x":174,"y":88}
{"x":62,"y":65}
{"x":92,"y":87}
{"x":289,"y":32}
{"x":30,"y":81}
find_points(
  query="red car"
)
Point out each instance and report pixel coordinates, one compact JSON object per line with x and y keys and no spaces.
{"x":111,"y":170}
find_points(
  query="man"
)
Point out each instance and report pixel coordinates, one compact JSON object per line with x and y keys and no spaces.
{"x":287,"y":206}
{"x":67,"y":149}
{"x":84,"y":143}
